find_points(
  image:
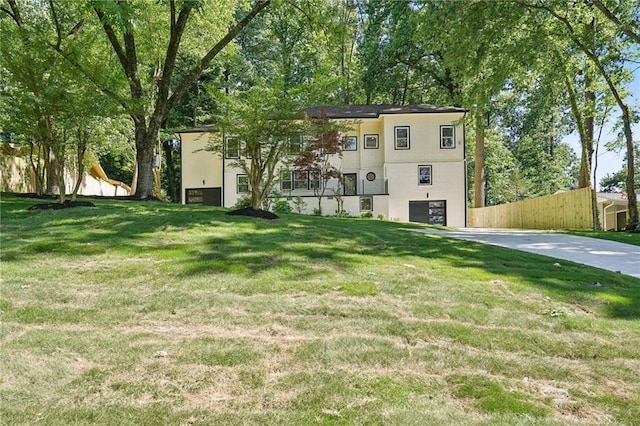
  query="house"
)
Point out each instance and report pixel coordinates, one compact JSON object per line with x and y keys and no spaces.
{"x":404,"y":162}
{"x":613,"y":210}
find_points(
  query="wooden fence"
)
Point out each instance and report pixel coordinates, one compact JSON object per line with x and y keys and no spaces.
{"x":564,"y":210}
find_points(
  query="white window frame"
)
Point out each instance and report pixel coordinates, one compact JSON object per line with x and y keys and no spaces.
{"x":447,"y":142}
{"x":374,"y":138}
{"x":286,"y":180}
{"x":427,"y":177}
{"x":228,"y":153}
{"x":406,"y":140}
{"x":238,"y":184}
{"x":314,"y":181}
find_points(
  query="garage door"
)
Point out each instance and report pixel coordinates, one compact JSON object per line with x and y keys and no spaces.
{"x":431,"y":212}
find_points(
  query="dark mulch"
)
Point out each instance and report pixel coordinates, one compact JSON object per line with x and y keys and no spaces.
{"x":251,"y":212}
{"x":57,"y":206}
{"x":93,"y":197}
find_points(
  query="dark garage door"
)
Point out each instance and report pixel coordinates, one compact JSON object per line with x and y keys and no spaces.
{"x":205,"y":196}
{"x":431,"y":212}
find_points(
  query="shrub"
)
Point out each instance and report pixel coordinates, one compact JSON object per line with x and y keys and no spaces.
{"x":317,"y":211}
{"x":366,"y":215}
{"x":299,"y":204}
{"x":381,"y":216}
{"x":282,"y":206}
{"x":242,"y":202}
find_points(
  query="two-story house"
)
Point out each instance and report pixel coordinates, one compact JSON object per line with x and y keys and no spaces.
{"x":404,"y":162}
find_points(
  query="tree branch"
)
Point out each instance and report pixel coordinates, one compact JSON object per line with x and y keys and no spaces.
{"x":54,"y":16}
{"x":206,"y":60}
{"x":613,"y":18}
{"x":14,"y":13}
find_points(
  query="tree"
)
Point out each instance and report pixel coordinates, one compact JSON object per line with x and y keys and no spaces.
{"x":607,"y":55}
{"x":318,"y":156}
{"x":257,"y":123}
{"x":145,"y":86}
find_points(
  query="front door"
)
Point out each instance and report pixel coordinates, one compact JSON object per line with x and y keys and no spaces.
{"x":350,"y":181}
{"x":431,"y":212}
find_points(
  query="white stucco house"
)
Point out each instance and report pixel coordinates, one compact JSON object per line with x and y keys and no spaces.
{"x":405,"y":162}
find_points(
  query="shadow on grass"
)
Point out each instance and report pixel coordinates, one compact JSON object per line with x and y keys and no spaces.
{"x":298,"y":248}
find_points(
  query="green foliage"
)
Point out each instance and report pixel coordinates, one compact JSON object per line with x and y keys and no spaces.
{"x":299,"y":204}
{"x":366,"y":215}
{"x":283,"y":206}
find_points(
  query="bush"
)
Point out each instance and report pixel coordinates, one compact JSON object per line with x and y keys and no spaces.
{"x":299,"y":204}
{"x":317,"y":211}
{"x":243,"y":202}
{"x":366,"y":215}
{"x":282,"y":206}
{"x":342,"y":213}
{"x":380,"y":216}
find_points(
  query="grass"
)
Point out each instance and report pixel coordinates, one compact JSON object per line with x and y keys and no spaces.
{"x":150,"y":313}
{"x":620,"y":236}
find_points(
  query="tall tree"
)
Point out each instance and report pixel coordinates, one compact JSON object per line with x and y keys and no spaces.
{"x":146,"y":39}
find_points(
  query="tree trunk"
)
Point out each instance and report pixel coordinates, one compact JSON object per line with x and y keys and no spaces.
{"x":478,"y":183}
{"x":634,"y":221}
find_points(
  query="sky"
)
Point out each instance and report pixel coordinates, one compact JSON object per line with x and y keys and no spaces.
{"x":610,"y":162}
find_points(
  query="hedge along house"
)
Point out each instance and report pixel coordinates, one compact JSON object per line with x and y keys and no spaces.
{"x":405,"y":162}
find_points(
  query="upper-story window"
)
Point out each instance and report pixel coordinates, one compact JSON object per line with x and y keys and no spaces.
{"x":401,"y":137}
{"x":295,"y":145}
{"x":447,"y":137}
{"x":371,"y":142}
{"x":231,"y":147}
{"x":350,"y":143}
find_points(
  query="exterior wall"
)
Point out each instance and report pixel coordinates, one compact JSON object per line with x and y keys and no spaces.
{"x":16,"y":176}
{"x":395,"y":183}
{"x":424,"y":138}
{"x":448,"y":185}
{"x":200,"y":168}
{"x":351,"y":205}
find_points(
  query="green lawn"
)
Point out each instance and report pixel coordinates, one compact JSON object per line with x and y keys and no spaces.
{"x":621,"y":237}
{"x":158,"y":314}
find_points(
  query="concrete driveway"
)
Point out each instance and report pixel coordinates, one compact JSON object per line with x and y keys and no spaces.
{"x":604,"y":254}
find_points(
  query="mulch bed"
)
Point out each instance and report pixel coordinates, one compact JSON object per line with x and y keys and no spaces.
{"x":58,"y":206}
{"x":251,"y":212}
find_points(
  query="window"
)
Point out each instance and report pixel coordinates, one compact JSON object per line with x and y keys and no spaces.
{"x":300,"y":179}
{"x":370,"y":141}
{"x":366,"y":204}
{"x":424,"y":175}
{"x":314,"y":181}
{"x":285,"y":180}
{"x":371,"y":176}
{"x":242,"y":184}
{"x":294,"y":146}
{"x":231,"y":147}
{"x":401,"y":137}
{"x":244,"y":150}
{"x":447,"y":137}
{"x":350,"y":143}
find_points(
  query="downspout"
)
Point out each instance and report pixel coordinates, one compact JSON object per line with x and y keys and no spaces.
{"x":604,"y":216}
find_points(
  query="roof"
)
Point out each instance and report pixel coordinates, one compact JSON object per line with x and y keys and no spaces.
{"x":374,"y":111}
{"x":200,"y":129}
{"x":615,"y":197}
